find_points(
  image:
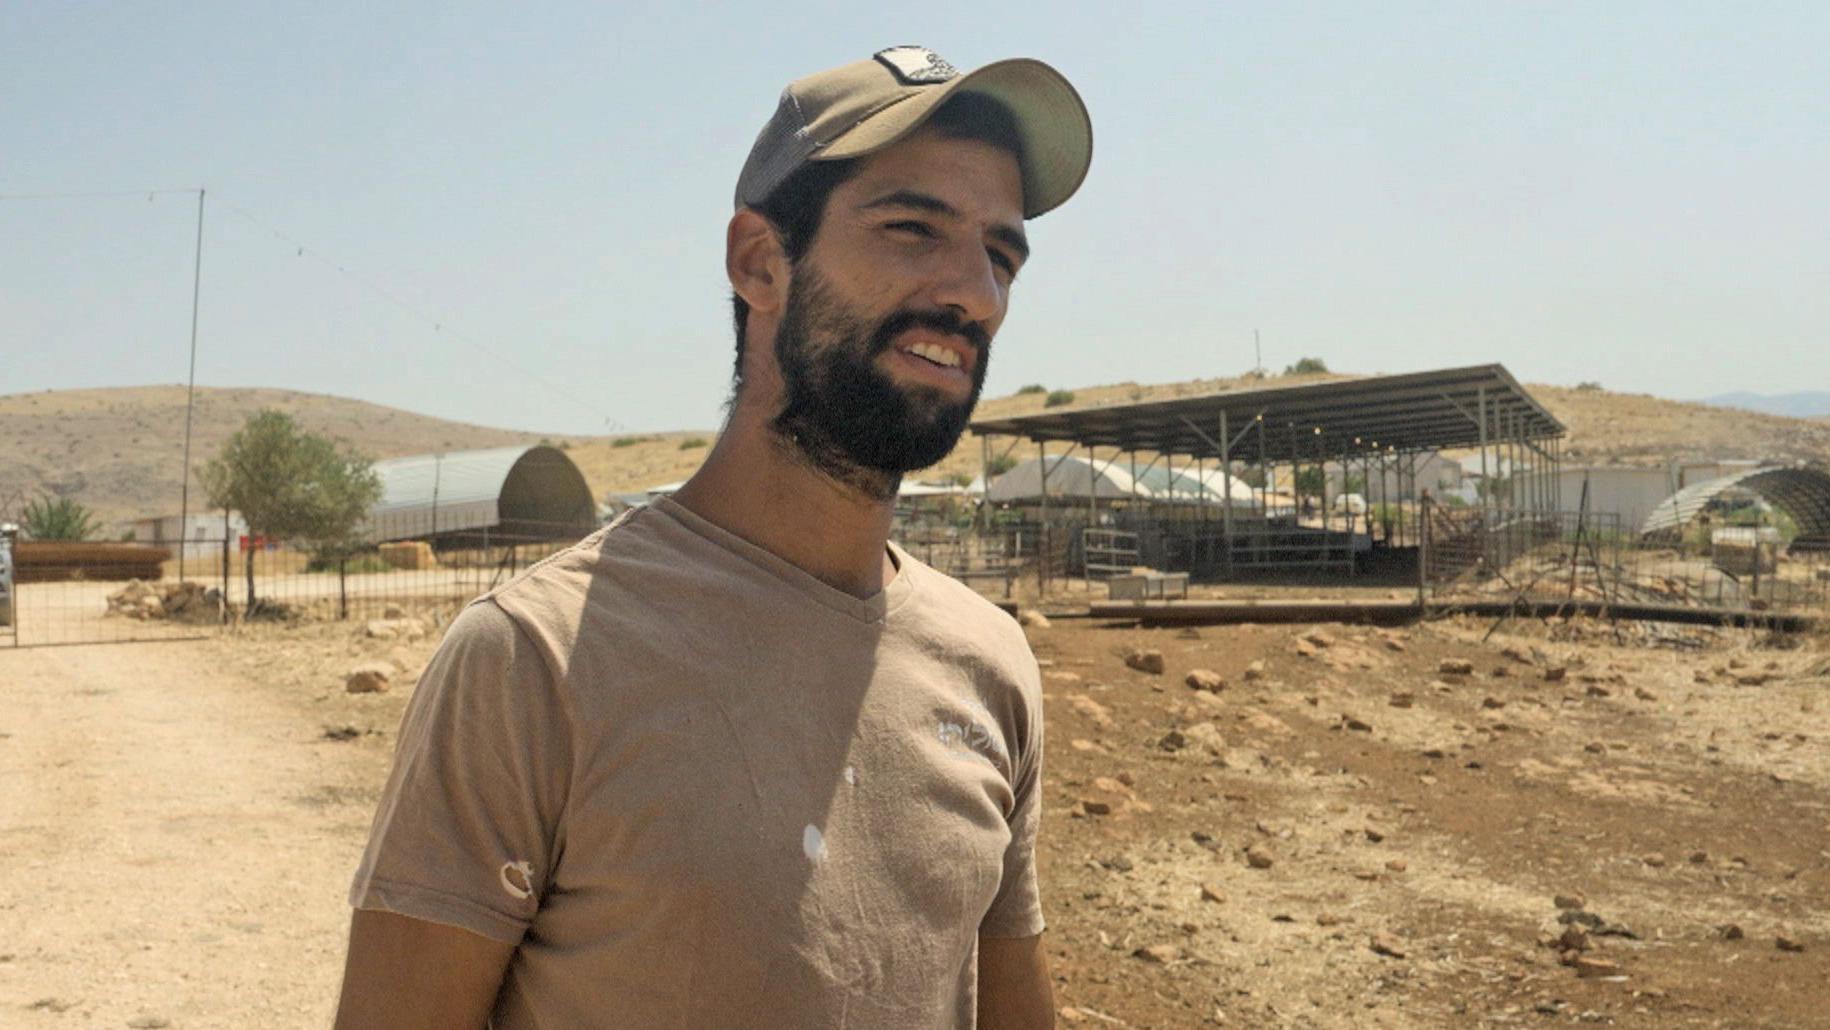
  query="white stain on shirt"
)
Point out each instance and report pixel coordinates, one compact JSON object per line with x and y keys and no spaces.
{"x":518,"y":879}
{"x":813,"y":843}
{"x":851,"y":776}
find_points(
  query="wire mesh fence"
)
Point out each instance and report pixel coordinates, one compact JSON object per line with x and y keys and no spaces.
{"x":83,"y":594}
{"x":1584,"y":556}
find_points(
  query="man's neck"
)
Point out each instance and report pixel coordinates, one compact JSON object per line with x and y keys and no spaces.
{"x":753,"y":486}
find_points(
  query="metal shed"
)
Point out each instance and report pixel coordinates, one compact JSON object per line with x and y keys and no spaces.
{"x":525,"y":493}
{"x":1803,"y":493}
{"x":1379,"y":429}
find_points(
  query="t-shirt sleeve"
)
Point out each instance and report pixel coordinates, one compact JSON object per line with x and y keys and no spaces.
{"x":466,"y":833}
{"x":1016,"y":911}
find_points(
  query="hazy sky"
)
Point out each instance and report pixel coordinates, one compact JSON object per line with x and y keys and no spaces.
{"x":1628,"y":193}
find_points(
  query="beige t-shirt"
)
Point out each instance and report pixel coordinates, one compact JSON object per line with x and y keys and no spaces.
{"x":699,"y":788}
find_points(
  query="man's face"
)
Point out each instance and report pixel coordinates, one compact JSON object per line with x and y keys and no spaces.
{"x":883,"y":344}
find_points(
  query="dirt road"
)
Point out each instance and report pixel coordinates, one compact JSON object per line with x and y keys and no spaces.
{"x":1567,"y":823}
{"x":176,"y":841}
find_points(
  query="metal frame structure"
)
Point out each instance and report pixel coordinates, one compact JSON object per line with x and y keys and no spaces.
{"x":1375,"y":427}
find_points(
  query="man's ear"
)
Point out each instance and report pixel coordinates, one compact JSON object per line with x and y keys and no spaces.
{"x":755,"y":261}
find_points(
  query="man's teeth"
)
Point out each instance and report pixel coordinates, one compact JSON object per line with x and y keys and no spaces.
{"x":937,"y":354}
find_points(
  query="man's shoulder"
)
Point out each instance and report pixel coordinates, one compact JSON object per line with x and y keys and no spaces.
{"x":965,"y":612}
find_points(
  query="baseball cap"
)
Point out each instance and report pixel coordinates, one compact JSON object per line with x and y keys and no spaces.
{"x":862,"y":107}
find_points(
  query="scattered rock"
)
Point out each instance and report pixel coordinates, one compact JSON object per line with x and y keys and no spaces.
{"x":1174,"y":740}
{"x":1212,"y":892}
{"x":1387,"y":945}
{"x":1373,"y":835}
{"x":1394,"y":644}
{"x":1318,"y":638}
{"x":1401,"y":699}
{"x":394,"y":611}
{"x":1589,"y":967}
{"x":1355,"y":724}
{"x":1753,"y":679}
{"x":1555,"y":674}
{"x":149,"y":1022}
{"x":1455,"y":667}
{"x":1784,"y":943}
{"x":1573,"y":938}
{"x":1492,"y":703}
{"x":1731,"y":932}
{"x":1655,"y":859}
{"x":1644,"y":695}
{"x":1205,"y":679}
{"x":340,"y":733}
{"x":1094,"y":712}
{"x":1327,"y":919}
{"x":1573,"y":902}
{"x":1304,"y":649}
{"x":368,"y":678}
{"x":1204,"y":738}
{"x":1699,"y":857}
{"x":1159,"y":954}
{"x":1254,"y":670}
{"x":1258,"y":858}
{"x":1146,"y":660}
{"x":1094,"y":806}
{"x":1597,"y":690}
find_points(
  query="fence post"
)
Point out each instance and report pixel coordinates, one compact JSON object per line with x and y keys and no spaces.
{"x":343,"y":588}
{"x":1423,"y":553}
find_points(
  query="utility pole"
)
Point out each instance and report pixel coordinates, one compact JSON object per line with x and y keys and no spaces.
{"x":190,"y":395}
{"x":1257,"y":353}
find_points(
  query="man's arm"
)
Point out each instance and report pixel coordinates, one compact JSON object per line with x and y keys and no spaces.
{"x":409,"y":974}
{"x":1014,"y":988}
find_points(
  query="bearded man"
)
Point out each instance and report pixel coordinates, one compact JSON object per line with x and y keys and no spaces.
{"x":737,"y":760}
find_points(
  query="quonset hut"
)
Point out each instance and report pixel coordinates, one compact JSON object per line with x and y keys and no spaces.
{"x":466,"y":498}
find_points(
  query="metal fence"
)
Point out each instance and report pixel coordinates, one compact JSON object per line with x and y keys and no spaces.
{"x":1474,"y":553}
{"x":77,"y":602}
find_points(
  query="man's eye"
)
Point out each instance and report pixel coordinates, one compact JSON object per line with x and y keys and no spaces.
{"x":917,"y":228}
{"x":1003,"y":261}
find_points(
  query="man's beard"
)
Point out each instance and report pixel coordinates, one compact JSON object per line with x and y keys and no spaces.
{"x":844,"y":414}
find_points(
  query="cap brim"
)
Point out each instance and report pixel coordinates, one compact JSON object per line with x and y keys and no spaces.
{"x":1056,"y":131}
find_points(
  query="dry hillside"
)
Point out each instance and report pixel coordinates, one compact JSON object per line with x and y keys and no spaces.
{"x":118,"y":450}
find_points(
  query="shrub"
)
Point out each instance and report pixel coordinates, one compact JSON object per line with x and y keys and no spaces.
{"x":1031,"y":388}
{"x":1589,"y":387}
{"x":692,"y":442}
{"x":57,"y":518}
{"x":630,"y":441}
{"x":1056,"y":398}
{"x":1001,"y":464}
{"x":1304,"y":366}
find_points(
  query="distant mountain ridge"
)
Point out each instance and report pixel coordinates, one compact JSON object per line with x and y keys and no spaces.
{"x":1809,"y":404}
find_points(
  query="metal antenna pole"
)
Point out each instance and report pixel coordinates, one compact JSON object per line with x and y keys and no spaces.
{"x":190,"y":394}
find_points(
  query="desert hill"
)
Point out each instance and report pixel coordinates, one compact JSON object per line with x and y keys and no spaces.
{"x":119,"y":450}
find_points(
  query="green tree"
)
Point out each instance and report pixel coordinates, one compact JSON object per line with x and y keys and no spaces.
{"x":1304,"y":366}
{"x":57,"y":518}
{"x":289,"y":484}
{"x":1309,"y":481}
{"x":1056,"y":398}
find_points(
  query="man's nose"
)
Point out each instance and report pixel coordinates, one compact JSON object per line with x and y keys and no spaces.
{"x":968,"y":285}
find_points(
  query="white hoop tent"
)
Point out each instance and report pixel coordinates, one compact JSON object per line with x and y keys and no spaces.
{"x":526,"y":492}
{"x":1075,"y":479}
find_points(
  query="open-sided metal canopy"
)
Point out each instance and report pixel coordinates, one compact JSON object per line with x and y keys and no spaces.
{"x":1300,"y":422}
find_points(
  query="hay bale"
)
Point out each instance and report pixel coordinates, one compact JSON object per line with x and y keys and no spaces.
{"x":409,"y":554}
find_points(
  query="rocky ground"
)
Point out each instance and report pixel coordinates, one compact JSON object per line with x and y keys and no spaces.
{"x":1336,"y":827}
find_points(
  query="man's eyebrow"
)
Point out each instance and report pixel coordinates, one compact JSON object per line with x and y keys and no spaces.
{"x":1010,"y":236}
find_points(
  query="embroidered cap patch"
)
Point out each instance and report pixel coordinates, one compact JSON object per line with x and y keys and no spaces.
{"x":917,"y":65}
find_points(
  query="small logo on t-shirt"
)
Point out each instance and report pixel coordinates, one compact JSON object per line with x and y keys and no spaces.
{"x":972,"y":733}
